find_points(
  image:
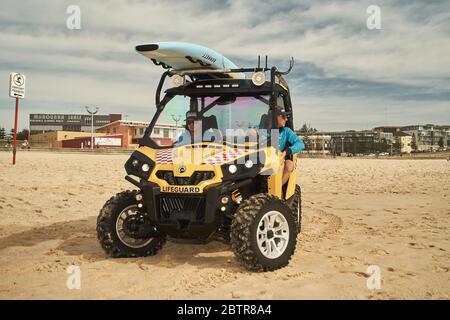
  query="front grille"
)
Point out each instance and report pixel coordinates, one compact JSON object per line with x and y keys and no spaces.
{"x":182,"y":205}
{"x":194,"y":179}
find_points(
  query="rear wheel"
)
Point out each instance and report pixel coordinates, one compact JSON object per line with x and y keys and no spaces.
{"x":295,"y":203}
{"x":118,"y":228}
{"x":263,"y":233}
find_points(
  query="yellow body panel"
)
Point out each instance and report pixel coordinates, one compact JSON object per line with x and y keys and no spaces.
{"x":275,"y":180}
{"x":290,"y":190}
{"x":192,"y":158}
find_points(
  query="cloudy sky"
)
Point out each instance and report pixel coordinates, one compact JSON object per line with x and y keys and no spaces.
{"x":346,"y":76}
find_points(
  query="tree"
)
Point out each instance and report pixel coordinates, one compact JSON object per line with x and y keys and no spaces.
{"x":397,"y":146}
{"x":306,"y":140}
{"x":23,"y":135}
{"x":414,"y":143}
{"x":441,"y":142}
{"x":304,"y":128}
{"x":307,"y":129}
{"x":382,"y":145}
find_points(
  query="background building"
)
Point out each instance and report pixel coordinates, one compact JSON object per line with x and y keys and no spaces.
{"x":402,"y":140}
{"x":44,"y":122}
{"x":356,"y":142}
{"x":103,"y":141}
{"x":133,"y":131}
{"x":163,"y":134}
{"x":54,"y":139}
{"x":428,"y":137}
{"x":316,"y":143}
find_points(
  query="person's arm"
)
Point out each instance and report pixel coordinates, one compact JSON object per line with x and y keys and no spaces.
{"x":183,"y":138}
{"x":296,"y":143}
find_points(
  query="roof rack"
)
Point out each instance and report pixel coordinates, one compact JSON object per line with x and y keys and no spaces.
{"x":186,"y":72}
{"x":274,"y":73}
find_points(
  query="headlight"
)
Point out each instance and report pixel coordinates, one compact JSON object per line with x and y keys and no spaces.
{"x":242,"y":168}
{"x":232,"y":168}
{"x":139,"y":165}
{"x":258,"y":78}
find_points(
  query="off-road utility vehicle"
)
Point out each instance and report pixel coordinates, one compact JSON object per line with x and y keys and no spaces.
{"x":224,"y":185}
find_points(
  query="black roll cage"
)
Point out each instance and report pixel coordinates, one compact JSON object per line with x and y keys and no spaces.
{"x":245,"y":87}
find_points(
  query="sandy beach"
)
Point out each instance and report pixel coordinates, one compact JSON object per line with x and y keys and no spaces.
{"x":394,"y":214}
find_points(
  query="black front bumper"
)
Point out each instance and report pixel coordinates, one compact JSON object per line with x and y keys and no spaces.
{"x":180,"y":215}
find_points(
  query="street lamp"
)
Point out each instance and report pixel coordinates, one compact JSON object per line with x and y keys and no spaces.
{"x":92,"y":124}
{"x":176,"y":118}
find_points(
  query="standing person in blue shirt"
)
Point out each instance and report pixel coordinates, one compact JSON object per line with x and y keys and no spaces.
{"x":289,"y":142}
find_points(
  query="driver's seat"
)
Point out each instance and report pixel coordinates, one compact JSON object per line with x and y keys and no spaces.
{"x":264,"y":122}
{"x":209,"y":123}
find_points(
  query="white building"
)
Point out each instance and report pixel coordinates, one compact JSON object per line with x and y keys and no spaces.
{"x":404,"y":140}
{"x":429,"y":137}
{"x":316,"y":143}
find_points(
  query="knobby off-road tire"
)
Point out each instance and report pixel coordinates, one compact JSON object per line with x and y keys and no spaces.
{"x":109,"y":237}
{"x":247,"y":226}
{"x":295,"y":203}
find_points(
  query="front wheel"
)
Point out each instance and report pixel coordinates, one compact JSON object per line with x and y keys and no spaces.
{"x":263,"y":233}
{"x":118,"y":226}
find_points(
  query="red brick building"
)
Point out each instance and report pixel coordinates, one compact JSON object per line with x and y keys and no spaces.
{"x":131,"y":131}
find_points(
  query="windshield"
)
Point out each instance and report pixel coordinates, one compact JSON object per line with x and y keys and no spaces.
{"x":171,"y":122}
{"x":186,"y":120}
{"x":237,"y":112}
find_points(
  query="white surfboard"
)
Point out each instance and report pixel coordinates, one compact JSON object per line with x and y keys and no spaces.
{"x":183,"y":56}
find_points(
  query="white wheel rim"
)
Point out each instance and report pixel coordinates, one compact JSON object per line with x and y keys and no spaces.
{"x":272,"y":234}
{"x":123,"y":237}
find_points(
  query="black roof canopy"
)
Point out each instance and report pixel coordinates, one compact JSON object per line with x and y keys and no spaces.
{"x":215,"y":87}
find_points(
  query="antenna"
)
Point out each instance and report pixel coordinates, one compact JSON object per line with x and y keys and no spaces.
{"x":259,"y":60}
{"x":291,"y":65}
{"x":266,"y":61}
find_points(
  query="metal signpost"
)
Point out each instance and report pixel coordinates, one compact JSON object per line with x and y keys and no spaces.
{"x":17,"y":91}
